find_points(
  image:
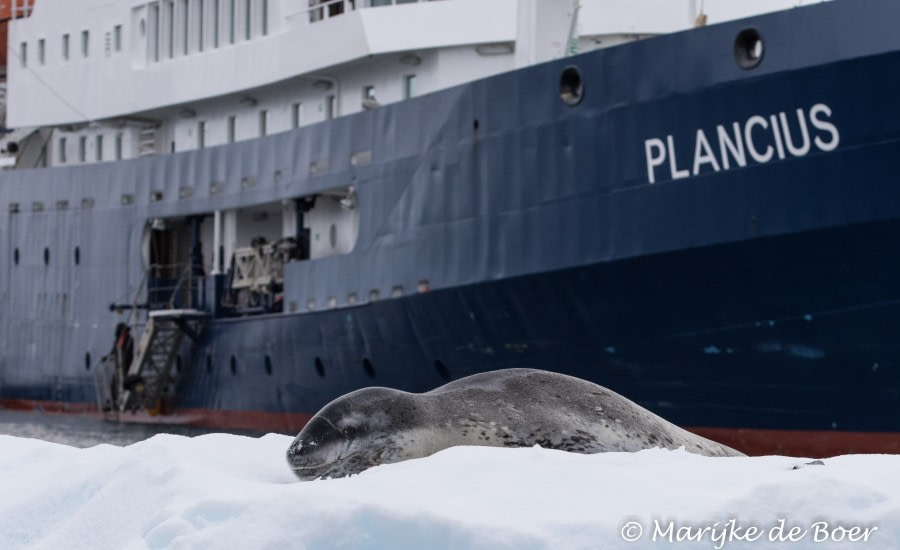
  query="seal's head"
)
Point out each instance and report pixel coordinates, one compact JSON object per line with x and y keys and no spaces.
{"x":355,"y":432}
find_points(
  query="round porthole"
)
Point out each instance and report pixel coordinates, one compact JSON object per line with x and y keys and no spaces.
{"x":571,"y":88}
{"x":748,"y":48}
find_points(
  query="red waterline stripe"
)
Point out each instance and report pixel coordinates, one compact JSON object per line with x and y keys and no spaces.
{"x":805,"y":443}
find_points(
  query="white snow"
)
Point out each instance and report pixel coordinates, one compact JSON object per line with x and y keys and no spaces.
{"x":227,"y":491}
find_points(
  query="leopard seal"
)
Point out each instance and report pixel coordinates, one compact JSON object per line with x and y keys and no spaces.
{"x":506,"y":408}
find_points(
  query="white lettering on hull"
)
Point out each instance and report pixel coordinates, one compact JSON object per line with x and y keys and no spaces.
{"x":761,"y":138}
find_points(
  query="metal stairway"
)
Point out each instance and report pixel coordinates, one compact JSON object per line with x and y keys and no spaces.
{"x":150,"y":374}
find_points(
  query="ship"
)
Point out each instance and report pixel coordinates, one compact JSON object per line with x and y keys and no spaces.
{"x":229,"y":213}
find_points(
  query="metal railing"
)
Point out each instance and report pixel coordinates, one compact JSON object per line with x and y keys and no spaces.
{"x":319,"y":10}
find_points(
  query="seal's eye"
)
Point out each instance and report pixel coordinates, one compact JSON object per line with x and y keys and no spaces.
{"x":349,"y":432}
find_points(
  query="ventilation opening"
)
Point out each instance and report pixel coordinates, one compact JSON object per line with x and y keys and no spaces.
{"x":748,"y":48}
{"x":571,"y":88}
{"x":367,"y":366}
{"x":441,"y":369}
{"x":320,"y":367}
{"x":268,"y":362}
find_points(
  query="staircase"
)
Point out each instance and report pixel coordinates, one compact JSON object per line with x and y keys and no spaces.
{"x":151,"y":374}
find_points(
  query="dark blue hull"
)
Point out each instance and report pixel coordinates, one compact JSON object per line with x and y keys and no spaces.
{"x":717,"y":244}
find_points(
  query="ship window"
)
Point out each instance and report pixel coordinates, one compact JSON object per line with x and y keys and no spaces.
{"x":296,"y":115}
{"x":330,"y":102}
{"x":200,"y":25}
{"x":82,"y":148}
{"x":99,"y":148}
{"x":77,"y":256}
{"x":409,"y":86}
{"x":62,"y":150}
{"x":46,"y":256}
{"x":268,"y":362}
{"x":232,"y":124}
{"x":16,"y":256}
{"x":85,"y":43}
{"x":87,"y":361}
{"x":367,"y":366}
{"x":65,"y":47}
{"x":748,"y":48}
{"x":185,"y":28}
{"x":263,"y":122}
{"x":571,"y":88}
{"x":24,"y":56}
{"x":40,"y":51}
{"x":201,"y":134}
{"x":215,"y":24}
{"x":209,"y":363}
{"x":119,"y":139}
{"x":264,"y":18}
{"x":233,"y":365}
{"x":117,"y":38}
{"x":248,"y":30}
{"x":231,"y":21}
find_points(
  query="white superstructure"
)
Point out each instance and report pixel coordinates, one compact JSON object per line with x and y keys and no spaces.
{"x":120,"y":79}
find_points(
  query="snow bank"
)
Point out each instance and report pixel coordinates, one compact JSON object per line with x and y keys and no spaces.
{"x":226,"y":491}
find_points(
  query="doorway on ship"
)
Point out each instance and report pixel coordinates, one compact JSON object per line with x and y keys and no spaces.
{"x":175,"y":262}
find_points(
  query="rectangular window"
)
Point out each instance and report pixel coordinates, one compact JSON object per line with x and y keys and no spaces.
{"x":263,"y":122}
{"x":24,"y":54}
{"x":99,"y":145}
{"x":40,"y":53}
{"x":201,"y":21}
{"x":330,"y":103}
{"x":117,"y":38}
{"x":153,"y":33}
{"x":368,"y":92}
{"x":65,"y":47}
{"x":232,"y":23}
{"x":296,"y":115}
{"x":185,"y":28}
{"x":409,"y":86}
{"x":169,"y":18}
{"x":232,"y":128}
{"x":248,"y":30}
{"x":119,"y":139}
{"x":62,"y":150}
{"x":85,"y":43}
{"x":264,"y":18}
{"x":201,"y":134}
{"x":215,"y":23}
{"x":82,"y":148}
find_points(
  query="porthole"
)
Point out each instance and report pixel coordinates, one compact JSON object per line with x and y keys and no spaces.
{"x":209,"y":363}
{"x":87,"y":361}
{"x":320,"y":366}
{"x":268,"y":363}
{"x":332,"y":236}
{"x":571,"y":88}
{"x":233,"y":365}
{"x":441,"y":369}
{"x":367,"y":366}
{"x":77,"y":256}
{"x":16,"y":256}
{"x":46,"y":256}
{"x":178,"y":364}
{"x":748,"y":48}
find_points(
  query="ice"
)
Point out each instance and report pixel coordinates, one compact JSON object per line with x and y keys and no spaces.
{"x":228,"y":491}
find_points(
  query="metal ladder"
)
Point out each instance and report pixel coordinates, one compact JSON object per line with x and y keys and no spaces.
{"x":151,"y":374}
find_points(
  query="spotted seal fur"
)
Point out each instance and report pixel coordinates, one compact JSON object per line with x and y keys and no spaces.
{"x":507,"y":408}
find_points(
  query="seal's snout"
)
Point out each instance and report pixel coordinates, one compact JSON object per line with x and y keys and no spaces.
{"x":313,"y":446}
